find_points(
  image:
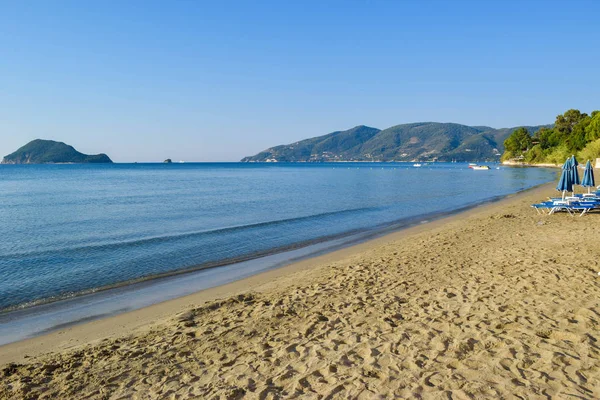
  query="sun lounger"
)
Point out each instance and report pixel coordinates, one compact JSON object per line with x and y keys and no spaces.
{"x":588,"y":195}
{"x":542,"y":208}
{"x":573,"y":200}
{"x":572,"y":207}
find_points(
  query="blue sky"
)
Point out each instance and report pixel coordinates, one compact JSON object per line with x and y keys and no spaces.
{"x":215,"y":81}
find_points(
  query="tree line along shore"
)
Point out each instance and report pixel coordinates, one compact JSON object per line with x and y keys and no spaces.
{"x":573,"y":133}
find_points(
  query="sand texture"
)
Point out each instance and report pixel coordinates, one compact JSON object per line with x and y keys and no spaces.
{"x":495,"y":303}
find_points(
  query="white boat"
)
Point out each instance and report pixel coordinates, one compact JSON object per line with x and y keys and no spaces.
{"x":480,"y":167}
{"x":471,"y":164}
{"x":416,"y":165}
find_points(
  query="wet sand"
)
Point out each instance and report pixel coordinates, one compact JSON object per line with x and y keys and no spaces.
{"x":496,"y":302}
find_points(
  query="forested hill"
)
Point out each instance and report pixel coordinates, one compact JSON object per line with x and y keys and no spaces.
{"x":573,"y":133}
{"x":49,"y":152}
{"x":421,"y":141}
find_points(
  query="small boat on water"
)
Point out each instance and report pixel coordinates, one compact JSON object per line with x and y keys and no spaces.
{"x":416,"y":165}
{"x":479,"y":167}
{"x":472,"y":164}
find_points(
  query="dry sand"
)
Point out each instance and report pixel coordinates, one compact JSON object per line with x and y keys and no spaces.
{"x":497,"y":302}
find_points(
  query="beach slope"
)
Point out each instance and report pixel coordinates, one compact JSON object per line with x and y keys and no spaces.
{"x":497,"y":302}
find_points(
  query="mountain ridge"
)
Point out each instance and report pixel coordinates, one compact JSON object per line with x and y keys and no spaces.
{"x":417,"y":141}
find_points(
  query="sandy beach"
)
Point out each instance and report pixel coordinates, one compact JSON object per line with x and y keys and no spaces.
{"x":496,"y":302}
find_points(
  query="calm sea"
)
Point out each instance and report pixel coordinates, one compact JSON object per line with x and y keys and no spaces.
{"x":71,"y":229}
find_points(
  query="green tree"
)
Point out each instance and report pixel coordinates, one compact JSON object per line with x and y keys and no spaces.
{"x":577,"y":139}
{"x":535,"y":154}
{"x":518,"y":142}
{"x":567,"y":121}
{"x":592,"y":130}
{"x":542,"y":137}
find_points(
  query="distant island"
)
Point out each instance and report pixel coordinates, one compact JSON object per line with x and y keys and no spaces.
{"x":50,"y":152}
{"x":422,"y":141}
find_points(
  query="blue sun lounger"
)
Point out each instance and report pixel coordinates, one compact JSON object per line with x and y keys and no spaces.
{"x":572,"y":208}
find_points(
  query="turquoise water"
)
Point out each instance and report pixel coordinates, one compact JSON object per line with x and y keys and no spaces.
{"x":71,"y":229}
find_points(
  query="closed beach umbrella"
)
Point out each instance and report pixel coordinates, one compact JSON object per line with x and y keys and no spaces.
{"x":565,"y":184}
{"x":588,"y":176}
{"x":574,"y":173}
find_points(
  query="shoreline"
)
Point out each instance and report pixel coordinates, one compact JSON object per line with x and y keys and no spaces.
{"x":494,"y":302}
{"x":524,"y":164}
{"x":346,"y":239}
{"x":130,"y":256}
{"x":24,"y":323}
{"x":12,"y":352}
